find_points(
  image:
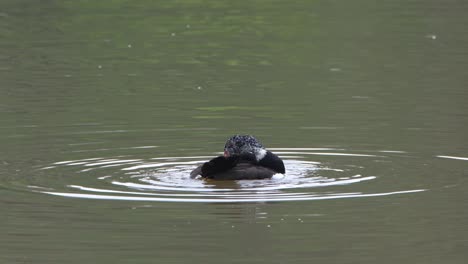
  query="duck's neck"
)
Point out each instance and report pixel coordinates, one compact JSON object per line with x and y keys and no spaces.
{"x":260,"y":154}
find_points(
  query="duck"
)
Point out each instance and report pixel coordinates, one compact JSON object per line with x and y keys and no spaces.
{"x":244,"y":158}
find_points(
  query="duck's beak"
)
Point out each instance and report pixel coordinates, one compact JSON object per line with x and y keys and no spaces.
{"x":226,"y":153}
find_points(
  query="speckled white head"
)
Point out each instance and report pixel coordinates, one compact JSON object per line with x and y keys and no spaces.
{"x":244,"y":144}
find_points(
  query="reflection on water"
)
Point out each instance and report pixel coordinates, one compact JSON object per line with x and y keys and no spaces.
{"x":452,"y":157}
{"x":166,"y":179}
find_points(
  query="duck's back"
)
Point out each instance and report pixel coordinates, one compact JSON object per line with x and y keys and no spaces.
{"x":241,"y":171}
{"x":244,"y":171}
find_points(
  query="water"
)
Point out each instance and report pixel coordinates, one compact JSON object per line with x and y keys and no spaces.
{"x":106,"y":107}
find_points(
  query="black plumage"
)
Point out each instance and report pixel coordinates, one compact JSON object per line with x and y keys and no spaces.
{"x":244,"y":158}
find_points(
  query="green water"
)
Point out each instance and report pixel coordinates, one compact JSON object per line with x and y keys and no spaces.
{"x":106,"y":106}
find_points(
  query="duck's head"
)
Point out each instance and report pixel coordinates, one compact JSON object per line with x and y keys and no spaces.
{"x":239,"y":145}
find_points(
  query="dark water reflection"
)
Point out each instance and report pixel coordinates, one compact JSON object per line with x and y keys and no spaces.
{"x":116,"y":102}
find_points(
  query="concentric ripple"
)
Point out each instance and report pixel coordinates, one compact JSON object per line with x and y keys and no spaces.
{"x":166,"y":179}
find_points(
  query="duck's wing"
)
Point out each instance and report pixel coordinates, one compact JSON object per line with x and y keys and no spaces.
{"x":196,"y":172}
{"x":273,"y":162}
{"x":216,"y":165}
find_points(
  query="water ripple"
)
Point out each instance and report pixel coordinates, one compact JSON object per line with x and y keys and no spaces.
{"x":452,"y":157}
{"x":166,"y":179}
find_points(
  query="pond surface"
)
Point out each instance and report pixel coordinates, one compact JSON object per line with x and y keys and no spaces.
{"x":107,"y":106}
